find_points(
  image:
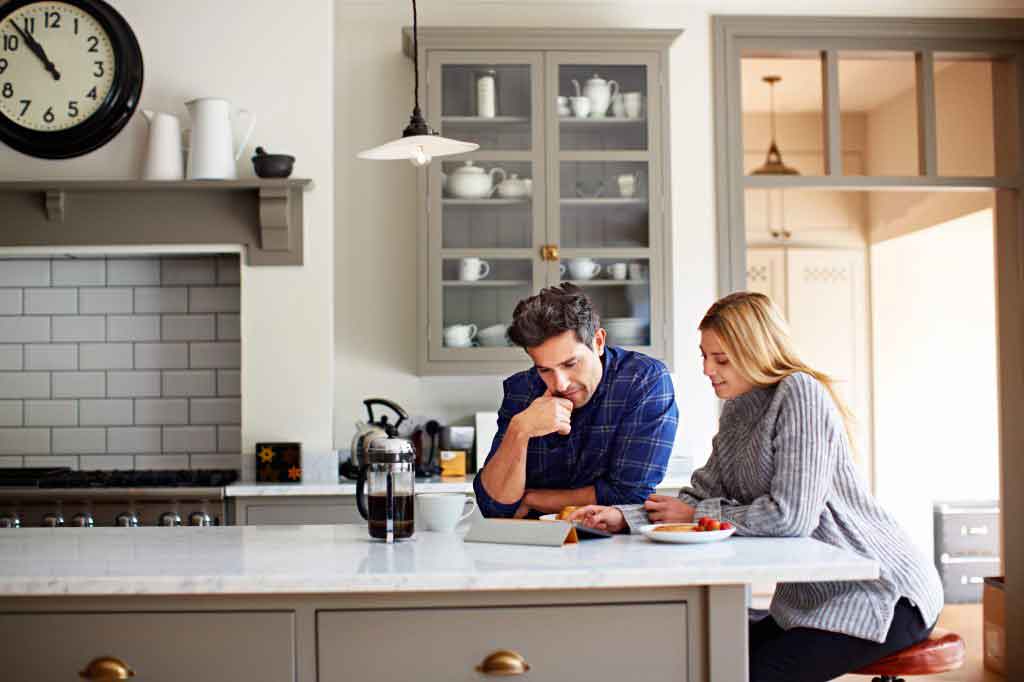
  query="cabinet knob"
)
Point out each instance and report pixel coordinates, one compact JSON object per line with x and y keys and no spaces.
{"x":549,"y":252}
{"x":106,"y":669}
{"x":504,"y":663}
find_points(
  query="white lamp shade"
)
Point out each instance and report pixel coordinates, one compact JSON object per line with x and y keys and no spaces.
{"x":417,"y":145}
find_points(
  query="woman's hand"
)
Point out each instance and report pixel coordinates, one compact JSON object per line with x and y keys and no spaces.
{"x":665,"y":508}
{"x":602,"y":518}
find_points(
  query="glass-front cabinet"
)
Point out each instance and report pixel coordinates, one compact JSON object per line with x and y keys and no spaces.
{"x":569,"y":184}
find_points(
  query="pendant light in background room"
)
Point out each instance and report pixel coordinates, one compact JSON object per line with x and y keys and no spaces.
{"x":773,"y":165}
{"x":419,"y":143}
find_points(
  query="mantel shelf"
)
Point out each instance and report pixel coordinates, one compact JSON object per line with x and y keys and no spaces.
{"x":264,"y":215}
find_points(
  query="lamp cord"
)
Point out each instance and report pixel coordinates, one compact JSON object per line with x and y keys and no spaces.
{"x":415,"y":57}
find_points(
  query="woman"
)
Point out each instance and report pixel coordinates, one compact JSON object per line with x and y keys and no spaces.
{"x":781,"y":466}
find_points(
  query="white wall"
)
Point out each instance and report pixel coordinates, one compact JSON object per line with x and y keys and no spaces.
{"x":936,"y":431}
{"x":275,"y":59}
{"x":376,"y":206}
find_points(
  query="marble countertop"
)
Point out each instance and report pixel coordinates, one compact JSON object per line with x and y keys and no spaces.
{"x":342,"y":559}
{"x":436,"y":484}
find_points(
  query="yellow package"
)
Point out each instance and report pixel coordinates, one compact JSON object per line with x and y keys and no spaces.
{"x":453,"y":463}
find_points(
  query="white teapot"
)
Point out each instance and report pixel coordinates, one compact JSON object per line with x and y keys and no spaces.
{"x":600,"y":93}
{"x":512,"y":187}
{"x":472,"y":182}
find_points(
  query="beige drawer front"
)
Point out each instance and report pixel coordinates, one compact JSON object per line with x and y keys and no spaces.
{"x":159,"y":647}
{"x":602,"y":643}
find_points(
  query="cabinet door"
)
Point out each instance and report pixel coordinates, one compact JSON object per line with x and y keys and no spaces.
{"x":766,"y":274}
{"x":605,"y":207}
{"x":595,"y":643}
{"x":256,"y":646}
{"x":486,"y":209}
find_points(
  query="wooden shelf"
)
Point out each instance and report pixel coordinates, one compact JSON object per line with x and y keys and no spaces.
{"x":480,"y":120}
{"x":603,"y":201}
{"x":263,"y":215}
{"x":484,"y":202}
{"x":487,"y":283}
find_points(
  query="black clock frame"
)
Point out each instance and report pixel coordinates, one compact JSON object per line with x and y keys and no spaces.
{"x":113,"y":113}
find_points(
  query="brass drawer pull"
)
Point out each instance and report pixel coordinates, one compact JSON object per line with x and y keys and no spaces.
{"x":504,"y":663}
{"x":106,"y":669}
{"x":549,"y":252}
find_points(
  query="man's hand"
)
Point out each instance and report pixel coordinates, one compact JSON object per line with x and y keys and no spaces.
{"x":665,"y":508}
{"x":602,"y":518}
{"x":547,"y":414}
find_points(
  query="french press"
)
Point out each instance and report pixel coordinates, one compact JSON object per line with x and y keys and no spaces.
{"x":384,"y":489}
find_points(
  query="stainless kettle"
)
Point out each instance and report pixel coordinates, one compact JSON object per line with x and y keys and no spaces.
{"x":368,"y":431}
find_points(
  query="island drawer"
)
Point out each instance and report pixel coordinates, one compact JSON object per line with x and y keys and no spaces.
{"x":255,"y":646}
{"x":597,"y":643}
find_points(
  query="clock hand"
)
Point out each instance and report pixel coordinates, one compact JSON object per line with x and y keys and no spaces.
{"x":37,"y":50}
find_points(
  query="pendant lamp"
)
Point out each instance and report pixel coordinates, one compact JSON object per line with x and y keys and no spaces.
{"x":418,"y":143}
{"x":773,"y":164}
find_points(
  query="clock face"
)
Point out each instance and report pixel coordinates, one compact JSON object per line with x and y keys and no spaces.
{"x":57,"y":66}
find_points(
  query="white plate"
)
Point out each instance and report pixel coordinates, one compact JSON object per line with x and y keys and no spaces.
{"x":686,"y":537}
{"x":549,"y":517}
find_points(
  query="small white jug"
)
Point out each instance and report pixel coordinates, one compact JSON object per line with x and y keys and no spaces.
{"x":164,"y":149}
{"x":212,"y":155}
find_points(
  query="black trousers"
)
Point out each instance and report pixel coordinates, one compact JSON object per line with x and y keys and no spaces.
{"x":809,"y":655}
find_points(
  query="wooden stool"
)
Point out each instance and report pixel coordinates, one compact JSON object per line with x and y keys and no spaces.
{"x":941,"y":652}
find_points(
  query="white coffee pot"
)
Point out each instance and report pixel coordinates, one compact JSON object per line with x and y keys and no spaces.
{"x":213,"y":155}
{"x":164,"y":149}
{"x":600,"y":93}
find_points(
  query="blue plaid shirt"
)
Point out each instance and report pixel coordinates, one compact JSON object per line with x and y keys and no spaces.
{"x":620,"y":442}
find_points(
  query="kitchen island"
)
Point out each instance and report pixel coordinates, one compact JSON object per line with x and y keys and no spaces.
{"x":308,"y":603}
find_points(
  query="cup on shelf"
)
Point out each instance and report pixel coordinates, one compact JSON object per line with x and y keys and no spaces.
{"x":460,"y":335}
{"x":618,"y":106}
{"x":580,"y":268}
{"x":627,"y":184}
{"x":638,"y":271}
{"x":563,"y":106}
{"x":617,"y":271}
{"x":580,"y":106}
{"x":493,"y":336}
{"x":473,"y":269}
{"x":632,"y":104}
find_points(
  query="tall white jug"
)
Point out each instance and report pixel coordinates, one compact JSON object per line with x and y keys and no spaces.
{"x":212,"y":155}
{"x":164,"y":149}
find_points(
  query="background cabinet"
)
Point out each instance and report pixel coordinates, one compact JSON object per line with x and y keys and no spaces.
{"x":577,"y":196}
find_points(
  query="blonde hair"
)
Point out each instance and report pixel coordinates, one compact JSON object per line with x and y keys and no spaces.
{"x":756,"y":338}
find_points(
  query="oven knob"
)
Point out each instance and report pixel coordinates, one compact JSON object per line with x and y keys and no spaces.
{"x":127,"y":520}
{"x":199,"y":518}
{"x":10,"y":521}
{"x":53,"y":520}
{"x":170,"y":519}
{"x":83,"y":520}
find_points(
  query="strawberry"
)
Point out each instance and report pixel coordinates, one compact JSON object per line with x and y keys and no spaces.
{"x":726,"y":525}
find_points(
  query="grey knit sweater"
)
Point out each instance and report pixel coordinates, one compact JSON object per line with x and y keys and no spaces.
{"x":781,"y":466}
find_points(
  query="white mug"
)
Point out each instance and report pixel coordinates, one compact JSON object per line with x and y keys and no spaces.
{"x":563,"y":106}
{"x":495,"y":335}
{"x":459,"y":335}
{"x":632,"y":103}
{"x":580,"y":106}
{"x":617,"y":270}
{"x":443,"y":511}
{"x":581,"y":268}
{"x":627,"y":184}
{"x":472,"y":269}
{"x":618,"y":106}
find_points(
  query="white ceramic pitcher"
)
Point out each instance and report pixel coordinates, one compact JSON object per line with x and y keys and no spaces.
{"x":164,"y":148}
{"x":212,"y":155}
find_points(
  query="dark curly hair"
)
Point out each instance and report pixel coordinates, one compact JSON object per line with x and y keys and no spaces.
{"x":554,"y":311}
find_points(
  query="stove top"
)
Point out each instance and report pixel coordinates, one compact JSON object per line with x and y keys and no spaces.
{"x":63,"y":477}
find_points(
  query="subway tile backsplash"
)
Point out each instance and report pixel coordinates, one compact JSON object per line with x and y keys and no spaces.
{"x":120,"y":363}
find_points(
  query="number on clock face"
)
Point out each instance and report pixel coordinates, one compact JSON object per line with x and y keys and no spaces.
{"x":69,"y":88}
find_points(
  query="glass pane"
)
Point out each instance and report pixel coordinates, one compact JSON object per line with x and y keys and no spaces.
{"x":479,"y":297}
{"x":602,"y":107}
{"x":815,"y":216}
{"x":798,"y":119}
{"x":621,"y":291}
{"x":604,"y":203}
{"x":488,"y":104}
{"x":963,"y":115}
{"x":486,"y":206}
{"x":878,"y":100}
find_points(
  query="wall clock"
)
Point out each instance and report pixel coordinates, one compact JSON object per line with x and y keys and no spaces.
{"x":70,"y":76}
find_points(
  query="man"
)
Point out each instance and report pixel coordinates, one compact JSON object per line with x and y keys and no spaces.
{"x":587,"y":424}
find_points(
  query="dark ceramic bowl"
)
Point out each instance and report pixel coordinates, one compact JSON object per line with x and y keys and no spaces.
{"x":272,"y":165}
